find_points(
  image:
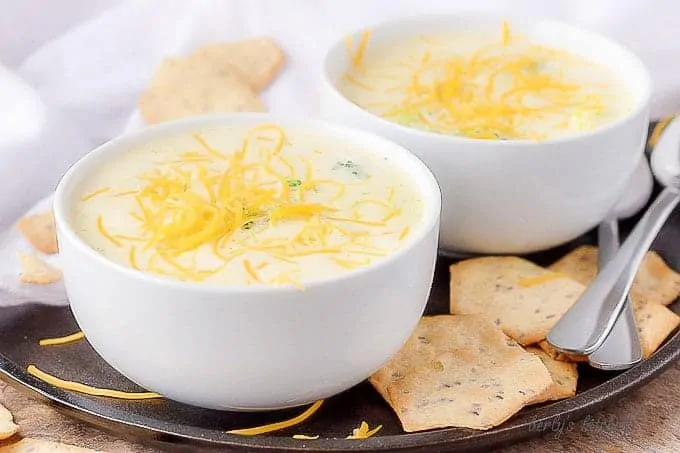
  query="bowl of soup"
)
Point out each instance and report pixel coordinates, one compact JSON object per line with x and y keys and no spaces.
{"x":247,"y":261}
{"x":532,"y":127}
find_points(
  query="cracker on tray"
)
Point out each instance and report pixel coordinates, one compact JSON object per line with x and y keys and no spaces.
{"x":564,"y":376}
{"x":460,"y":370}
{"x":36,"y":271}
{"x":655,"y":282}
{"x":7,"y":426}
{"x":656,"y":285}
{"x":560,"y":356}
{"x":523,"y":299}
{"x":42,"y":446}
{"x":40,"y":231}
{"x":654,"y":323}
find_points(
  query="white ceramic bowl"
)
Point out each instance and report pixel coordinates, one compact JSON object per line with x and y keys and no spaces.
{"x":512,"y":196}
{"x":248,"y":348}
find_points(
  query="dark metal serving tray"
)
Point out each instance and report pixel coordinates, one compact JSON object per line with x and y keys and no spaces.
{"x":170,"y":425}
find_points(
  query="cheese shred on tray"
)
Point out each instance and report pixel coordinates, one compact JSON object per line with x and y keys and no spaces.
{"x":248,"y":206}
{"x":484,"y":85}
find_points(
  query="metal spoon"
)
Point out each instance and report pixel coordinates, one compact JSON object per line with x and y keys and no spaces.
{"x":621,"y":350}
{"x":584,"y":328}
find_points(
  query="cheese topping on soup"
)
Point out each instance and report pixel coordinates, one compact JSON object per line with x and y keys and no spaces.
{"x":258,"y":206}
{"x":484,"y":86}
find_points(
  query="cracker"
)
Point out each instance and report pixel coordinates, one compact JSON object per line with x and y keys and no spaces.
{"x":522,"y":298}
{"x":42,"y":446}
{"x":654,"y":323}
{"x":36,"y":271}
{"x":40,"y":231}
{"x":460,"y":371}
{"x":564,"y":376}
{"x":655,"y":282}
{"x":7,"y":426}
{"x":655,"y":285}
{"x":560,"y":356}
{"x":257,"y":61}
{"x":181,"y":88}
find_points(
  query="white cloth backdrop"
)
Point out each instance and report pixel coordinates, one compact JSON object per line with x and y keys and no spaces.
{"x":72,"y":70}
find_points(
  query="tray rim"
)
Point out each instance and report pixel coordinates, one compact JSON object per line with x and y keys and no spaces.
{"x":560,"y":412}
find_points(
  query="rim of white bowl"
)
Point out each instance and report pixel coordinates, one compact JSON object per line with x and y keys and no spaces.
{"x":412,"y":166}
{"x":641,"y":104}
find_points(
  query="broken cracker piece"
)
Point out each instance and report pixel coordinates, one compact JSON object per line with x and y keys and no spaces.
{"x":523,"y":299}
{"x":257,"y":61}
{"x":35,"y":270}
{"x":7,"y":426}
{"x":655,"y":281}
{"x":181,"y":89}
{"x":462,"y":371}
{"x":560,"y":356}
{"x":42,"y":446}
{"x":563,"y":374}
{"x":654,"y":323}
{"x":40,"y":231}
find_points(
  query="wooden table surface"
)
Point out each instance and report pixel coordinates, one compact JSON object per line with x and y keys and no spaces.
{"x":647,"y":420}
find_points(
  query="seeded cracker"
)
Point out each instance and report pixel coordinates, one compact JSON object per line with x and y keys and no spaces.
{"x":7,"y":426}
{"x":257,"y":61}
{"x":460,"y":371}
{"x":520,"y":297}
{"x":36,"y":271}
{"x":42,"y":446}
{"x":560,"y":356}
{"x":654,"y":323}
{"x":655,"y":284}
{"x":564,"y":376}
{"x":40,"y":231}
{"x":655,"y":281}
{"x":184,"y":87}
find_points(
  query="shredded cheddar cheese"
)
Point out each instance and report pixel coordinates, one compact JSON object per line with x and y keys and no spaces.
{"x":86,"y":389}
{"x":363,"y":431}
{"x":304,"y":437}
{"x":254,"y":213}
{"x":404,"y":233}
{"x":506,"y":33}
{"x":105,"y":233}
{"x":95,"y":193}
{"x":500,"y":91}
{"x":357,"y":55}
{"x":279,"y":425}
{"x":62,"y":340}
{"x":132,"y":257}
{"x":539,"y":280}
{"x":659,"y":128}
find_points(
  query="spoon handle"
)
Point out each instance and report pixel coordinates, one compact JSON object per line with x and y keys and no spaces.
{"x":607,"y":241}
{"x":621,"y":349}
{"x":586,"y":325}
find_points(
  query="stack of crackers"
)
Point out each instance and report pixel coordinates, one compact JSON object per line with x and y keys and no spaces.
{"x":487,"y":360}
{"x":216,"y":78}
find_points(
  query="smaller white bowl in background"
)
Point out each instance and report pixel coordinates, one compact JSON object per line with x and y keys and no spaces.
{"x":513,"y":196}
{"x":249,"y":347}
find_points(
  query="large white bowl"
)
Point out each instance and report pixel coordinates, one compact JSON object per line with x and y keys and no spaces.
{"x":512,"y":196}
{"x":248,"y":348}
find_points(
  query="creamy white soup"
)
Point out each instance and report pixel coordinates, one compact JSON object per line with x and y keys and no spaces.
{"x":258,"y":206}
{"x":498,"y":86}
